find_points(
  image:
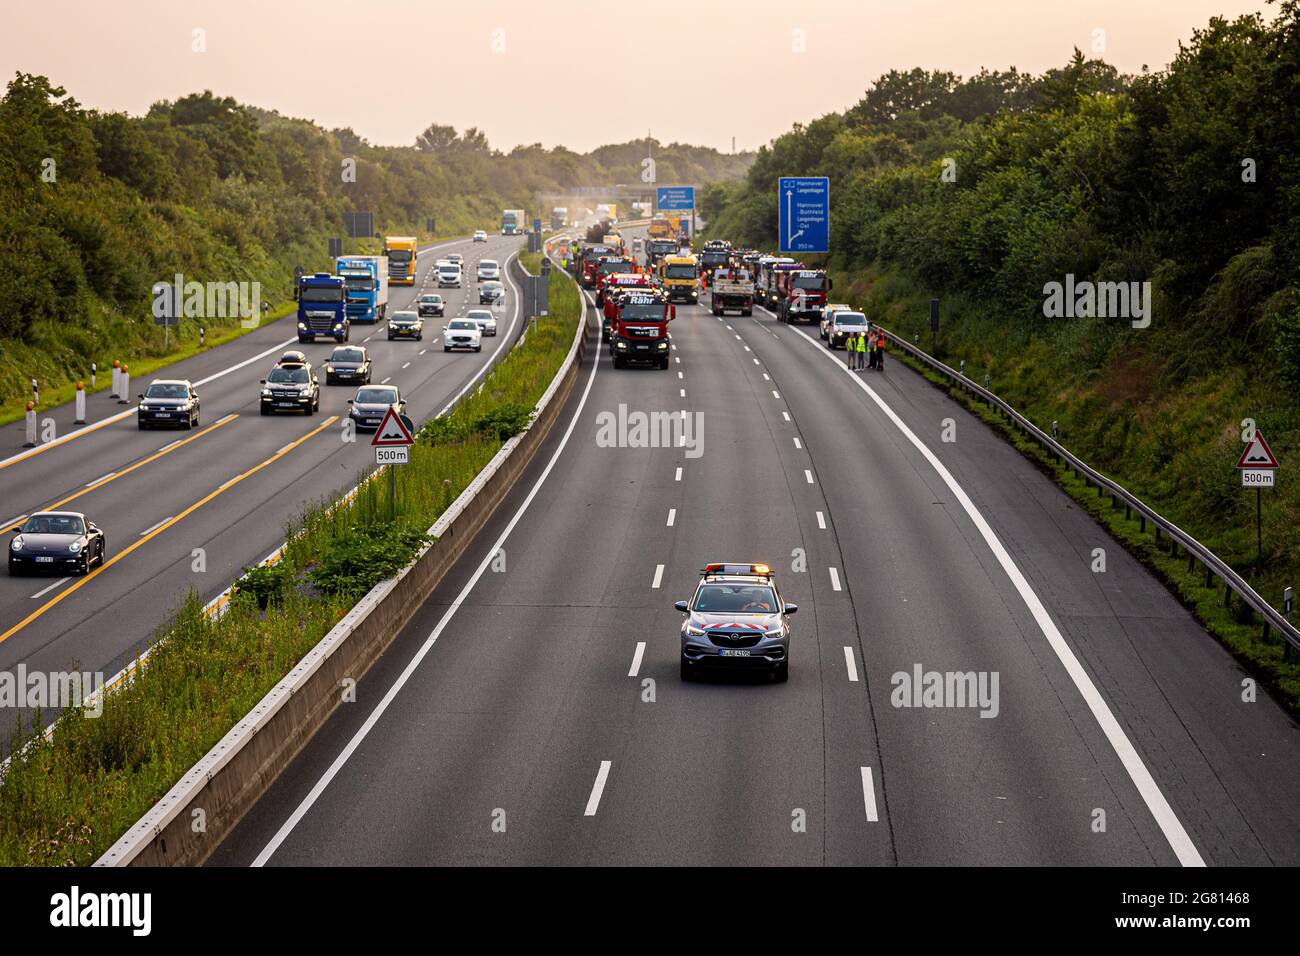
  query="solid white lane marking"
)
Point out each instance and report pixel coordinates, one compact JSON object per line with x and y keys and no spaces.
{"x":821,"y":521}
{"x":678,"y":478}
{"x":835,"y":579}
{"x":852,"y":664}
{"x":1179,"y":840}
{"x":636,"y":659}
{"x":807,"y":473}
{"x":597,"y":789}
{"x":659,"y":575}
{"x":323,"y":783}
{"x":869,"y":795}
{"x":672,"y":516}
{"x":46,"y":590}
{"x":168,"y":518}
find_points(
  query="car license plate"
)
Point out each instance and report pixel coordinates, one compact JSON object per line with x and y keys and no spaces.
{"x":733,"y":652}
{"x":286,"y":404}
{"x":643,"y":346}
{"x":162,"y":414}
{"x":45,"y":560}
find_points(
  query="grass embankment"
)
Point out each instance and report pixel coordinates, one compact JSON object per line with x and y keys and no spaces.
{"x":66,"y":799}
{"x":1174,"y":445}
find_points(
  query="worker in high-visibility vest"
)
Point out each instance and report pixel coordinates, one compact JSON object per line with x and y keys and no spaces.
{"x":851,"y":350}
{"x":880,"y":350}
{"x":864,"y":343}
{"x":871,"y":348}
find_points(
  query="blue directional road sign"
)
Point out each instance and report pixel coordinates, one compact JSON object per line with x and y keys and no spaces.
{"x":537,"y":225}
{"x":804,"y":203}
{"x":674,"y":197}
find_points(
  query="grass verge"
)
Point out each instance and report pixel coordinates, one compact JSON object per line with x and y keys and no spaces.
{"x":66,"y":798}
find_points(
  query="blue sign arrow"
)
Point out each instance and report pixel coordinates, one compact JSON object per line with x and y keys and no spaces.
{"x":804,"y":213}
{"x":674,"y":197}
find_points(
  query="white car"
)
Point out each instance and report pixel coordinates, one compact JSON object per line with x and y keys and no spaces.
{"x":487,"y":322}
{"x":828,"y":316}
{"x":488,"y":270}
{"x":480,"y":235}
{"x":457,"y":258}
{"x":462,"y":334}
{"x":448,"y":274}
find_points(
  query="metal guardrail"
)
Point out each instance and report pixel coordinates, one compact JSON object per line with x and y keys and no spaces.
{"x":1215,"y":566}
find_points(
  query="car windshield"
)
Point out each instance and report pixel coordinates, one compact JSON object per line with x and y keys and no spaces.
{"x":680,"y":272}
{"x":315,"y":293}
{"x":167,"y":390}
{"x":616,"y":265}
{"x":399,"y":255}
{"x":714,"y":258}
{"x":346,"y":355}
{"x":359,"y":283}
{"x":451,"y":269}
{"x":492,"y":287}
{"x":809,"y":282}
{"x":54,"y":524}
{"x":480,"y":314}
{"x":462,"y":324}
{"x":431,"y":299}
{"x":376,"y":396}
{"x":736,"y":599}
{"x":488,"y":264}
{"x":298,"y":376}
{"x":850,"y":318}
{"x":642,"y":310}
{"x":401,"y":317}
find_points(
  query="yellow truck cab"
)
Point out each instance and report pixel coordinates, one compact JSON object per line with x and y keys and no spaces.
{"x":401,"y":253}
{"x":678,"y":276}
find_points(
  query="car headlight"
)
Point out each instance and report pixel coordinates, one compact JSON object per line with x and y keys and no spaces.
{"x":329,"y":367}
{"x":74,"y":547}
{"x":775,"y":632}
{"x":693,"y":631}
{"x":620,"y":345}
{"x":266,"y":393}
{"x":663,"y":345}
{"x":17,"y":543}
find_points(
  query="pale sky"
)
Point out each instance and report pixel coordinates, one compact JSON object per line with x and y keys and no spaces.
{"x":698,"y":72}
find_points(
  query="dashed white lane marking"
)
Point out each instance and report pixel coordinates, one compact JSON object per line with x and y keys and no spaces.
{"x":387,"y":380}
{"x":808,"y":474}
{"x":659,"y":576}
{"x":682,"y":391}
{"x":796,"y":442}
{"x":91,"y":484}
{"x":636,"y":659}
{"x":679,"y":475}
{"x":835,"y":579}
{"x":851,"y":663}
{"x":786,"y":416}
{"x":672,"y":516}
{"x":821,"y":521}
{"x":766,"y":377}
{"x":46,"y":590}
{"x":597,"y":789}
{"x":407,"y":365}
{"x":13,"y":521}
{"x":869,"y":795}
{"x":422,"y":351}
{"x":168,"y":518}
{"x":775,"y":393}
{"x":681,"y":375}
{"x":756,"y":362}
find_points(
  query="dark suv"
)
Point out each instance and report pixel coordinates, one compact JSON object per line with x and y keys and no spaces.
{"x":291,"y":386}
{"x":736,"y":621}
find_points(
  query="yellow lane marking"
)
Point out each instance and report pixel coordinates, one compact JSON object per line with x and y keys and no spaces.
{"x":101,"y":482}
{"x":161,"y":528}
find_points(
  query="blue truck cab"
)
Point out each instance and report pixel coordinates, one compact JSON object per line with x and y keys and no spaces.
{"x":366,"y":278}
{"x":322,"y":307}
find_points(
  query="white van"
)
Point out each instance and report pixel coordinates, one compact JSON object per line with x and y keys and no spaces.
{"x":448,"y":274}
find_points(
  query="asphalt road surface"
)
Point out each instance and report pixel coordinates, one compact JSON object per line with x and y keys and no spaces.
{"x":534,"y":715}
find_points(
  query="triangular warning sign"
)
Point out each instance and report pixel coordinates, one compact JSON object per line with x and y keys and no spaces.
{"x":1257,"y":454}
{"x":392,"y":431}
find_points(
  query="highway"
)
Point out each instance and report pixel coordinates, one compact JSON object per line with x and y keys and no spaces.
{"x":190,"y":509}
{"x":535,"y":715}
